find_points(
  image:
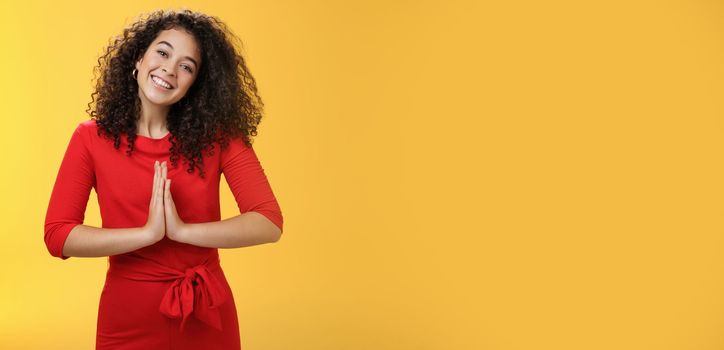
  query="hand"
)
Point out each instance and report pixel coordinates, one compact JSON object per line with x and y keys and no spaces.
{"x":155,"y":225}
{"x":174,"y":224}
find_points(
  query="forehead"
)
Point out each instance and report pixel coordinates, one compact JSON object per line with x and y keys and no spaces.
{"x":182,"y":42}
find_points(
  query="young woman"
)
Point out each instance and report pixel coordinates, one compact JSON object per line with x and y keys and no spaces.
{"x":176,"y":107}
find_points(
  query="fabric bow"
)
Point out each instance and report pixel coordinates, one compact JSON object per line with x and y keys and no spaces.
{"x":197,"y":291}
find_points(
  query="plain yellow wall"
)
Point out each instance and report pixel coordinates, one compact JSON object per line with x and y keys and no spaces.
{"x":453,"y":174}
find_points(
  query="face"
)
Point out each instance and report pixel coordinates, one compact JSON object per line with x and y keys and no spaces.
{"x":175,"y":59}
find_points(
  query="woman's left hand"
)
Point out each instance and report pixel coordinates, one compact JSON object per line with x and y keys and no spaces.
{"x":174,"y":224}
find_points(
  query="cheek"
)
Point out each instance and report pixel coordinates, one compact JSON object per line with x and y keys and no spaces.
{"x":148,"y":58}
{"x":151,"y":60}
{"x":186,"y":82}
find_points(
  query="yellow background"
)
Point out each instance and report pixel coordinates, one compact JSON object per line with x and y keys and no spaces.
{"x":452,"y":174}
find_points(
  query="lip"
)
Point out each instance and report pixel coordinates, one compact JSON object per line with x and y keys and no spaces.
{"x":159,"y":86}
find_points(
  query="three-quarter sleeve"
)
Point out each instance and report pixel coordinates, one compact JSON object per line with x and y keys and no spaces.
{"x":69,"y":198}
{"x":248,"y":183}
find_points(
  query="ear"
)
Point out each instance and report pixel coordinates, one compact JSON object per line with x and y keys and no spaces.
{"x":138,"y":63}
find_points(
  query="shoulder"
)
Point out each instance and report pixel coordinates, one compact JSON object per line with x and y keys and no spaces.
{"x":236,"y":150}
{"x":234,"y":144}
{"x":87,"y":132}
{"x":86,"y":128}
{"x":87,"y":125}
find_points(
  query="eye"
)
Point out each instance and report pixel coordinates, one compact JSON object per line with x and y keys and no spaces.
{"x":163,"y":53}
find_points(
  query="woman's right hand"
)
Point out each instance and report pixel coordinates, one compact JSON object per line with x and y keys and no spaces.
{"x":156,"y":225}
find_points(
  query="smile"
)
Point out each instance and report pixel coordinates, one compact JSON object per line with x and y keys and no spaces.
{"x":160,"y":83}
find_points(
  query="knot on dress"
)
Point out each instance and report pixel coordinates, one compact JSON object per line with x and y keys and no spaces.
{"x":195,"y":291}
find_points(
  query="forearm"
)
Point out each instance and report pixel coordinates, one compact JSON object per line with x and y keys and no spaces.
{"x":89,"y":241}
{"x":247,"y":229}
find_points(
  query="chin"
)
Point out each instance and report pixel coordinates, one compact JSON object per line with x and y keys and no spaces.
{"x":159,"y":101}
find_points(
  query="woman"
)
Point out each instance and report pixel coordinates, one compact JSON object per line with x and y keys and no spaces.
{"x":172,"y":88}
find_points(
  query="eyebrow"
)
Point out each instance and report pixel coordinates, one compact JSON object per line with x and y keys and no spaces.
{"x":171,"y":46}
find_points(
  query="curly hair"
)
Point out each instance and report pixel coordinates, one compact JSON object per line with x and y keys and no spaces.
{"x":221,"y":104}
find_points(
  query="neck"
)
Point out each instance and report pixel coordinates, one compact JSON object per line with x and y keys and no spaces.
{"x":152,"y":122}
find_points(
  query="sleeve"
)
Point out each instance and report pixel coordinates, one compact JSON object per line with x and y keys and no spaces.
{"x":248,"y":183}
{"x":69,"y":197}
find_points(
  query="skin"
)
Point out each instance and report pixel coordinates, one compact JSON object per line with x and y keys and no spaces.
{"x":174,"y":65}
{"x":177,"y":64}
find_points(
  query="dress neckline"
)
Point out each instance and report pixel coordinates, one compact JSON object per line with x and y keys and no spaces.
{"x":139,"y":136}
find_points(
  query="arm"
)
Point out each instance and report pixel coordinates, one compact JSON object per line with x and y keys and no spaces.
{"x":65,"y":234}
{"x":260,"y":220}
{"x":242,"y":230}
{"x":89,"y":241}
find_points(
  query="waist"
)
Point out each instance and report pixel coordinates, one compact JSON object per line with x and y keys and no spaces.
{"x":142,"y":269}
{"x":198,"y":289}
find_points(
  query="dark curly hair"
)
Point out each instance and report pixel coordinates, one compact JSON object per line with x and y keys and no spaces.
{"x":221,"y":104}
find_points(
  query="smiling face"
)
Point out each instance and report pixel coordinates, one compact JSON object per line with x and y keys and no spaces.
{"x":168,"y":68}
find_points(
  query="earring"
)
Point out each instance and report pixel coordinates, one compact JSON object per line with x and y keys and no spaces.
{"x":134,"y":74}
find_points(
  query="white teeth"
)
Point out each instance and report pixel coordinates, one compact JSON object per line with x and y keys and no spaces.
{"x":161,"y":82}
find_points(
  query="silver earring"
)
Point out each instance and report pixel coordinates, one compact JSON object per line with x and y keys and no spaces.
{"x":134,"y":74}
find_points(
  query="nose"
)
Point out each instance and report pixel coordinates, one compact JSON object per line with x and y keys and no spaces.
{"x":165,"y":70}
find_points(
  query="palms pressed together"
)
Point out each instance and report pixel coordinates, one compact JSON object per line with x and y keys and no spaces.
{"x":163,"y":218}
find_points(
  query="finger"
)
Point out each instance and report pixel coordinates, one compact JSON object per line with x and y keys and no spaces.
{"x":167,"y":192}
{"x":153,"y":189}
{"x":164,"y":175}
{"x":158,"y":182}
{"x":155,"y":178}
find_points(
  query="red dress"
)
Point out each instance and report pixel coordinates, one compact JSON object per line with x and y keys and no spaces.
{"x":168,"y":295}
